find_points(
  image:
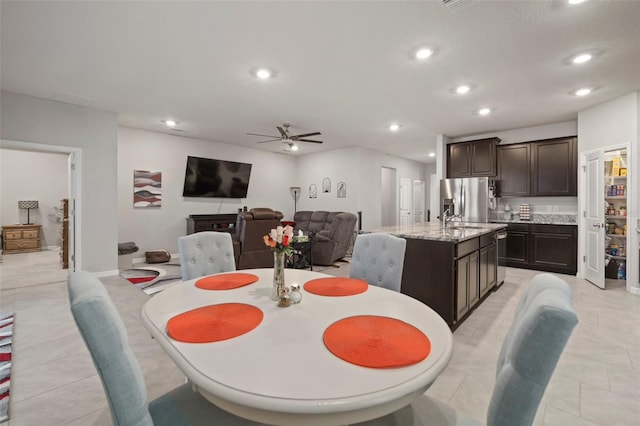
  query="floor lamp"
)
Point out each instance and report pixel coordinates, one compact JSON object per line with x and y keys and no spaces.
{"x":28,"y":205}
{"x":295,"y":190}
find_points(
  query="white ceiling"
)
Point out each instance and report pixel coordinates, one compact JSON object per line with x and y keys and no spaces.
{"x":343,"y":68}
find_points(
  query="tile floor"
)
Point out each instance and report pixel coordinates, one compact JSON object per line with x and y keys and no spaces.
{"x":54,"y":382}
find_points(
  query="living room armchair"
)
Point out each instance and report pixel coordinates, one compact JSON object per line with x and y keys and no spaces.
{"x":250,"y":228}
{"x":333,"y":233}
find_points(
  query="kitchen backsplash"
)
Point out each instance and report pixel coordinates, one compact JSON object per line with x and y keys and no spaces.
{"x":552,"y":210}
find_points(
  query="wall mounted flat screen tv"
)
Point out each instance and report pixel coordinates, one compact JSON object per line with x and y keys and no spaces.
{"x":205,"y":177}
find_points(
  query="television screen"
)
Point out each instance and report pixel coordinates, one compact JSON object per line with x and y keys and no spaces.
{"x":205,"y":177}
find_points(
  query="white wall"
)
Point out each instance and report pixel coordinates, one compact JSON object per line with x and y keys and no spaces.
{"x":612,"y":124}
{"x":159,"y":228}
{"x":360,"y":169}
{"x":34,"y":120}
{"x":40,"y":176}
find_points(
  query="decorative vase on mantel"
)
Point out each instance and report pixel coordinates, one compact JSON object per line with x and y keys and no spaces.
{"x":278,"y":275}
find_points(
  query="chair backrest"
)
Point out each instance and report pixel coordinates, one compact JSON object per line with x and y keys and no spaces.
{"x":378,"y":259}
{"x":106,"y":338}
{"x":255,"y":224}
{"x":205,"y":253}
{"x":543,"y":323}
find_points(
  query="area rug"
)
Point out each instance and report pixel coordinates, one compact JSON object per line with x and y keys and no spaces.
{"x":153,"y":278}
{"x":6,"y":336}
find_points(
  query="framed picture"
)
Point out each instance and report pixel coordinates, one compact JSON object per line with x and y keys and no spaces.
{"x":326,"y":185}
{"x":342,"y":190}
{"x":147,"y":188}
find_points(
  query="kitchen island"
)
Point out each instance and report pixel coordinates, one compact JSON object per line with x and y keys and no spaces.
{"x":451,"y":269}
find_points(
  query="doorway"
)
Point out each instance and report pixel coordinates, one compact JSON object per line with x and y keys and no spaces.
{"x":388,"y":196}
{"x":73,"y":190}
{"x":607,"y":196}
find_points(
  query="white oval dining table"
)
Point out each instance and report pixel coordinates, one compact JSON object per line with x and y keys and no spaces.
{"x":281,"y":373}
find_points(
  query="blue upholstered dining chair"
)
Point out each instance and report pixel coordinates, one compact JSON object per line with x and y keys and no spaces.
{"x":105,"y":335}
{"x":378,"y":259}
{"x":543,"y":323}
{"x":205,"y":253}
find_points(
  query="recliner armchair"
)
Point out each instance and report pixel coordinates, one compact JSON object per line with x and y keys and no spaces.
{"x":333,"y":233}
{"x":250,"y":228}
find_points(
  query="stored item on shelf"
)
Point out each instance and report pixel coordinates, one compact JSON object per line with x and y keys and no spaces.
{"x":607,"y":168}
{"x":525,"y":212}
{"x":612,"y":228}
{"x":615,"y":166}
{"x":623,"y":171}
{"x":611,"y":269}
{"x":622,"y":211}
{"x":622,"y":271}
{"x":624,"y":229}
{"x":618,"y":231}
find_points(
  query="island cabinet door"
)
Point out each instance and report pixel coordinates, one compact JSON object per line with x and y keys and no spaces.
{"x":488,"y":268}
{"x":462,"y":285}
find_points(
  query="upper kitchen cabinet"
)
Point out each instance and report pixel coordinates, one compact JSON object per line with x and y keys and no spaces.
{"x":472,"y":158}
{"x":514,"y":164}
{"x":539,"y":169}
{"x":554,"y":167}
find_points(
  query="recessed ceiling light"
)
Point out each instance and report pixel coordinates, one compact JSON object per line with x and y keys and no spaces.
{"x":170,"y":123}
{"x":424,"y":53}
{"x":263,"y":73}
{"x":582,"y":58}
{"x":462,"y":89}
{"x":484,"y":111}
{"x":583,"y":92}
{"x":394,"y":127}
{"x":575,"y":1}
{"x":432,"y":154}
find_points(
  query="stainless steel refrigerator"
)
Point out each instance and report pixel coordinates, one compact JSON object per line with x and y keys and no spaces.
{"x":469,"y":198}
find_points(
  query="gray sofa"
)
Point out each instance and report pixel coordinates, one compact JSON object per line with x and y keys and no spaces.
{"x":333,"y":233}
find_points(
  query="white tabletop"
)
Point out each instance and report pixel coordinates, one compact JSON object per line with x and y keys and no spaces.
{"x":281,"y":372}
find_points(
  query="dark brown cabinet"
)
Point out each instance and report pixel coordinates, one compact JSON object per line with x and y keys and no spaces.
{"x":554,"y":167}
{"x":551,"y":248}
{"x":488,"y":268}
{"x":212,"y":222}
{"x":472,"y":159}
{"x":514,"y":162}
{"x":517,"y":245}
{"x":540,"y":169}
{"x":452,"y":278}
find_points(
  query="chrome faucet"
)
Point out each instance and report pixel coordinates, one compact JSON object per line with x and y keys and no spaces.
{"x":447,"y":217}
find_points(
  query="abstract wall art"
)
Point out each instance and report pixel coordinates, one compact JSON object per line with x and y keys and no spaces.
{"x":342,"y":190}
{"x":326,"y":185}
{"x":147,"y":188}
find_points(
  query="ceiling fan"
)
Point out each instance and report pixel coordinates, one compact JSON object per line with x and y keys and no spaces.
{"x":287,"y":138}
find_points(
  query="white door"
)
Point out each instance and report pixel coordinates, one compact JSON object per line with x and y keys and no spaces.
{"x":405,"y":202}
{"x":594,"y":219}
{"x":418,"y":201}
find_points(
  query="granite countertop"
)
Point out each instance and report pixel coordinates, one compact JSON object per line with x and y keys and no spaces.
{"x":454,"y":232}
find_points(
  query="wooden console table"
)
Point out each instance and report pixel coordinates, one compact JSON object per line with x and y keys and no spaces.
{"x":212,"y":222}
{"x":20,"y":238}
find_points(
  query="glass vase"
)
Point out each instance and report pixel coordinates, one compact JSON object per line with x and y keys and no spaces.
{"x":278,"y":276}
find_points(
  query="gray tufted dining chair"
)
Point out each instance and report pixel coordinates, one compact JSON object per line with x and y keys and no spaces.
{"x":104,"y":333}
{"x":378,"y":259}
{"x":541,"y":328}
{"x":205,"y":253}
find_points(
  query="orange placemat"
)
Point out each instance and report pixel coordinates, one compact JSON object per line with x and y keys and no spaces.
{"x":336,"y":286}
{"x":215,"y":322}
{"x":226,"y":281}
{"x":376,"y":342}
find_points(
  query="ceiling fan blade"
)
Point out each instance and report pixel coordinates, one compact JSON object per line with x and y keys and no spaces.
{"x":304,"y":135}
{"x":270,"y":140}
{"x":307,"y":140}
{"x":266,"y":136}
{"x":282,"y":132}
